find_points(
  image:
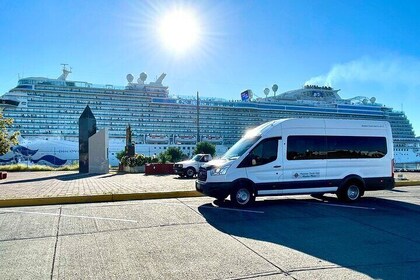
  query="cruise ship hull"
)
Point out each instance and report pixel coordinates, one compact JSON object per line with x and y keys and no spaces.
{"x":46,"y":112}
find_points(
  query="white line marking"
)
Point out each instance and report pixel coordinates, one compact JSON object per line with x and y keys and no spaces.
{"x":70,"y":216}
{"x":231,"y":209}
{"x":347,"y":206}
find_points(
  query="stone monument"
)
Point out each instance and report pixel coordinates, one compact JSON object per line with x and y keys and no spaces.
{"x":98,"y":152}
{"x":87,"y":128}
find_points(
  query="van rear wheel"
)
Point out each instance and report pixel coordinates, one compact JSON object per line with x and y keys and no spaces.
{"x":352,"y":191}
{"x":242,"y":196}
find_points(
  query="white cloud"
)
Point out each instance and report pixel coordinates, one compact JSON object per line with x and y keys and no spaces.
{"x":394,"y":80}
{"x":388,"y":70}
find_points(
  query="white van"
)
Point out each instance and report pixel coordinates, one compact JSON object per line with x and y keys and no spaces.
{"x":303,"y":156}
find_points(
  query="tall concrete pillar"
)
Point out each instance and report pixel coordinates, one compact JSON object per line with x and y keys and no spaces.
{"x":98,"y":152}
{"x":87,"y":128}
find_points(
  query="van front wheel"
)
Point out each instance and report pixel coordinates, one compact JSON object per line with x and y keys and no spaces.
{"x":352,"y":191}
{"x":242,"y":196}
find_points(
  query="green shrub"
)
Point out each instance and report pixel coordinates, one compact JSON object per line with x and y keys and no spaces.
{"x":173,"y":154}
{"x":205,"y":148}
{"x":164,"y":157}
{"x":136,"y":160}
{"x":36,"y":167}
{"x":120,"y":154}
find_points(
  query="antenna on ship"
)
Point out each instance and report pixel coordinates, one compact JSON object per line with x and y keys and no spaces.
{"x":266,"y":92}
{"x":65,"y":72}
{"x":275,"y":88}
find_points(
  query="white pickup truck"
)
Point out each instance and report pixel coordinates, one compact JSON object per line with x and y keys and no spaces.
{"x":190,"y":167}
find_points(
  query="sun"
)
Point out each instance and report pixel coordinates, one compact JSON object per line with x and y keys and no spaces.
{"x":179,"y":30}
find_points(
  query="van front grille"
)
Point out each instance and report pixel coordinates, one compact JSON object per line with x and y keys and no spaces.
{"x":202,"y":174}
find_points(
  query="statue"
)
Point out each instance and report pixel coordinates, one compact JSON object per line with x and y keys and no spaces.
{"x":128,"y":135}
{"x":129,"y":146}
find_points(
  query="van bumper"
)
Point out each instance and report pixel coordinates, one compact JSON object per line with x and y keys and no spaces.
{"x":383,"y":183}
{"x":216,"y":190}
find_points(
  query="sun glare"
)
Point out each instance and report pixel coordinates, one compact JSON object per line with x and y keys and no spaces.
{"x":179,"y":30}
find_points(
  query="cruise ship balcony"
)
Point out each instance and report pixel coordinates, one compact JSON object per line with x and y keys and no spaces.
{"x":185,"y":139}
{"x":157,"y":139}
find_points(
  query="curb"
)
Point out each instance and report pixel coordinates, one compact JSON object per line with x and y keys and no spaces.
{"x":20,"y":202}
{"x":407,"y":183}
{"x":95,"y":198}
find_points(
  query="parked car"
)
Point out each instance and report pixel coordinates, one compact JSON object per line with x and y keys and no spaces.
{"x":190,"y":167}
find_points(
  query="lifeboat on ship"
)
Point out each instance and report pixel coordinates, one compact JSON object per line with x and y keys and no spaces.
{"x":157,"y":139}
{"x":185,"y":139}
{"x":212,"y":139}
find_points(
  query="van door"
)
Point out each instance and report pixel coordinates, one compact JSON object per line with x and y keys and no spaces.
{"x":305,"y":164}
{"x":264,"y":164}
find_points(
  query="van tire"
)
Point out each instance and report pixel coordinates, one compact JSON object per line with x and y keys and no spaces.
{"x":318,"y":195}
{"x":190,"y":172}
{"x":351,"y":191}
{"x":242,"y":196}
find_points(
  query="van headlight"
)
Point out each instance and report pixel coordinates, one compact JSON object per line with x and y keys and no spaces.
{"x":219,"y":170}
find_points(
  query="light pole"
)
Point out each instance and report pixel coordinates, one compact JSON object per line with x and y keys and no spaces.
{"x":198,"y":118}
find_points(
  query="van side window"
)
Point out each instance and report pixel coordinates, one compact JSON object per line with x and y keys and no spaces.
{"x":335,"y":147}
{"x":356,"y":147}
{"x":264,"y":152}
{"x":306,"y":147}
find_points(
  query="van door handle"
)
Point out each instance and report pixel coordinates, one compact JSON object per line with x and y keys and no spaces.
{"x":277,"y":166}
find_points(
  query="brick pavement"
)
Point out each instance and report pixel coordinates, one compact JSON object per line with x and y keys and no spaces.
{"x":20,"y":185}
{"x":23,"y":185}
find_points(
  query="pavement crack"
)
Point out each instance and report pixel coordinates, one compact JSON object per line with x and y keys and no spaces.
{"x":258,"y":254}
{"x":26,"y":238}
{"x":132,"y":228}
{"x":191,"y":208}
{"x":262,"y":274}
{"x":56,"y":243}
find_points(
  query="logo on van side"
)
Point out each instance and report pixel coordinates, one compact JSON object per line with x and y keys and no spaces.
{"x":308,"y":174}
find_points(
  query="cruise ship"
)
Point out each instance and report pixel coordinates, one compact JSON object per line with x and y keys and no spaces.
{"x":46,"y":112}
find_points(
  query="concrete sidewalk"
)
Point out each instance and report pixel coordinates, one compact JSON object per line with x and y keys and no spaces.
{"x":44,"y":188}
{"x":41,"y":188}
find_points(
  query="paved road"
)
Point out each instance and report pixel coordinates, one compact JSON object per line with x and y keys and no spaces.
{"x":191,"y":238}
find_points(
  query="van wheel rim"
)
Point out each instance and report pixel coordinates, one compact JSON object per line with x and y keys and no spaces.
{"x":353,"y":192}
{"x":243,"y":196}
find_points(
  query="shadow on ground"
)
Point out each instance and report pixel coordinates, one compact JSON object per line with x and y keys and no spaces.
{"x":376,"y":237}
{"x":65,"y":177}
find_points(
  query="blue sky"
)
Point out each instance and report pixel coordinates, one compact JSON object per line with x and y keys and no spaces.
{"x":365,"y":48}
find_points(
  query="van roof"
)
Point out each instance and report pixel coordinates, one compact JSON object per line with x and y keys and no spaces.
{"x":302,"y":123}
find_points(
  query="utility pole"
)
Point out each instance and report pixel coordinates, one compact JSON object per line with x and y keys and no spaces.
{"x":198,"y":118}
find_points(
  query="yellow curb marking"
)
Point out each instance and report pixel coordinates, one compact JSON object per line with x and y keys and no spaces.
{"x":95,"y":198}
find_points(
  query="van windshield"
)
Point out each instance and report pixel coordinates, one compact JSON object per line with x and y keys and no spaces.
{"x":240,"y":147}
